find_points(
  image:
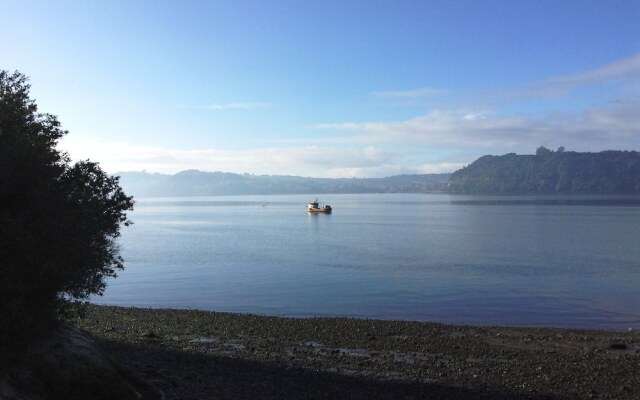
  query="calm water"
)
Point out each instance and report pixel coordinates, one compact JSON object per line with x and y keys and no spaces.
{"x":557,"y":261}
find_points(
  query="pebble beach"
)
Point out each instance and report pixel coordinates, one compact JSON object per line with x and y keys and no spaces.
{"x":190,"y":354}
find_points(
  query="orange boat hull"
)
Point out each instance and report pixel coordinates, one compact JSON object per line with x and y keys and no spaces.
{"x":319,"y":210}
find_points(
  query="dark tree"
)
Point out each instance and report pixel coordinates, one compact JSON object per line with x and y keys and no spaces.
{"x":58,"y":220}
{"x":542,"y":151}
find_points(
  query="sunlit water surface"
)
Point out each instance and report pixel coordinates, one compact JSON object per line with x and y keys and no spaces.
{"x":553,"y":261}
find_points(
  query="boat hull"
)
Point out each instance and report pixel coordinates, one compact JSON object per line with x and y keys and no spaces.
{"x":319,"y":210}
{"x":314,"y":208}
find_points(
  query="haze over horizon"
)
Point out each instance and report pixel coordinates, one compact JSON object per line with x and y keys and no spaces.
{"x":331,"y":89}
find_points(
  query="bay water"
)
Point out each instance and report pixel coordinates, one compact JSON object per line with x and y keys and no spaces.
{"x":565,"y":261}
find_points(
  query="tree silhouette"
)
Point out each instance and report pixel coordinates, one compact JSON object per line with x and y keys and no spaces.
{"x":59,"y":221}
{"x":542,"y":151}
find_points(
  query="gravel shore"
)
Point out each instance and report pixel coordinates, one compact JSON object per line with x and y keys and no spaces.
{"x":192,"y":354}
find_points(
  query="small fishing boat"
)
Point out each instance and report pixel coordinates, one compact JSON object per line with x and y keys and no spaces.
{"x":314,"y":207}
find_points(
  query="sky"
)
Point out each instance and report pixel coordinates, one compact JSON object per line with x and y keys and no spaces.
{"x":327,"y":88}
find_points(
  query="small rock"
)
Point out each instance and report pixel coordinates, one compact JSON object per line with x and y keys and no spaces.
{"x":149,"y":335}
{"x":618,"y":346}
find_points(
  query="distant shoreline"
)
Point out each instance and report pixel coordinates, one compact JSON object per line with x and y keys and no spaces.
{"x":200,"y":183}
{"x":180,"y":348}
{"x":306,"y":316}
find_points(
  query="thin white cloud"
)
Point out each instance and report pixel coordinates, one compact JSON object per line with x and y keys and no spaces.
{"x":621,"y":69}
{"x":410,"y":94}
{"x":238,"y":106}
{"x":627,"y":69}
{"x":228,"y":106}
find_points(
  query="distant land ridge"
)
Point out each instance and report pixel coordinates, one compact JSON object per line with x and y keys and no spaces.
{"x":199,"y":183}
{"x":546,"y":172}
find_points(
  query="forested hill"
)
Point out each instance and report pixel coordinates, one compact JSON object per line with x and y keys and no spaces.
{"x":551,"y":172}
{"x":199,"y":183}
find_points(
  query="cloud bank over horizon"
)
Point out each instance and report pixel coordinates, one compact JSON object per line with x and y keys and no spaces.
{"x":453,"y":136}
{"x":311,"y":161}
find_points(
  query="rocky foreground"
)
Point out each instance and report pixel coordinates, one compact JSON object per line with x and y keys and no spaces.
{"x":201,"y":355}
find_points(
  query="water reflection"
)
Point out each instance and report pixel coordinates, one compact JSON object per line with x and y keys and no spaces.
{"x":483,"y":260}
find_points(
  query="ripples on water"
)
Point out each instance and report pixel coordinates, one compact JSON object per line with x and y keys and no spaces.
{"x":557,"y":261}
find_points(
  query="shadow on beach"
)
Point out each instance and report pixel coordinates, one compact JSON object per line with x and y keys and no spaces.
{"x":189,"y":375}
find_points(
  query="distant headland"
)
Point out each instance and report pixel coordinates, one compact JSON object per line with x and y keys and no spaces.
{"x":549,"y":172}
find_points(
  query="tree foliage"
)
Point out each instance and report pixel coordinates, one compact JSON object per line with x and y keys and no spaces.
{"x":551,"y":172}
{"x":59,"y":221}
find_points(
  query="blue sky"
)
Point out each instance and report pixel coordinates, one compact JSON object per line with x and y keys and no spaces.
{"x":331,"y":88}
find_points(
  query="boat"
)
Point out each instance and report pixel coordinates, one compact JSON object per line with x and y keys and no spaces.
{"x":314,"y":207}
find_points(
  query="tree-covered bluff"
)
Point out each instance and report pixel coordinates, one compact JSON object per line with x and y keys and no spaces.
{"x":547,"y":172}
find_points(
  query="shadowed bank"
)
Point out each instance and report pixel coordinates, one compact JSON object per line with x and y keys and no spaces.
{"x":190,"y":375}
{"x":196,"y":354}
